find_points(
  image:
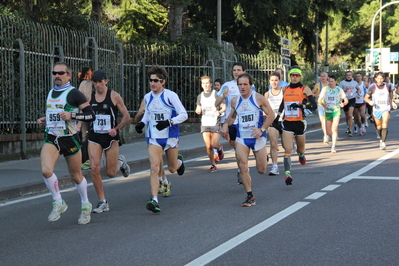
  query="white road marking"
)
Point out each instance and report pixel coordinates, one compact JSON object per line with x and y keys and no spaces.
{"x":315,"y":195}
{"x":330,"y":187}
{"x":235,"y":241}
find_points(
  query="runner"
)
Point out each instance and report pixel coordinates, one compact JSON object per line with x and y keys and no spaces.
{"x":104,"y":135}
{"x":380,"y":96}
{"x":251,"y":131}
{"x":163,"y":114}
{"x":348,"y":85}
{"x":294,"y":123}
{"x":331,"y":99}
{"x":316,"y":93}
{"x":274,"y":97}
{"x":359,"y":112}
{"x":228,"y":92}
{"x":210,"y":121}
{"x":63,"y":104}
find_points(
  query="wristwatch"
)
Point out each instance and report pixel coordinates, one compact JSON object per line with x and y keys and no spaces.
{"x":171,"y":122}
{"x":262,"y":129}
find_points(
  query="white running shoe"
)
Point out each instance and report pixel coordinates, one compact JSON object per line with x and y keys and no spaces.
{"x":101,"y":207}
{"x":274,"y":170}
{"x":326,"y":140}
{"x":84,"y":217}
{"x":57,"y":210}
{"x":125,"y":168}
{"x":383,"y":146}
{"x":333,"y":150}
{"x":355,"y":131}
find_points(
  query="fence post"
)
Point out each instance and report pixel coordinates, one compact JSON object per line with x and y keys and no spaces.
{"x":22,"y":95}
{"x":87,"y":40}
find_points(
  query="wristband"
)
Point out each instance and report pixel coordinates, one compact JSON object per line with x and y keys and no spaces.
{"x":116,"y":128}
{"x":73,"y":115}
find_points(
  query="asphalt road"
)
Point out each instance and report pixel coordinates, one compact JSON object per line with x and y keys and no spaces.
{"x":341,"y":210}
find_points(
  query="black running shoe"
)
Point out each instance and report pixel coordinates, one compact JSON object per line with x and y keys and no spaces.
{"x":153,"y":206}
{"x":182,"y":168}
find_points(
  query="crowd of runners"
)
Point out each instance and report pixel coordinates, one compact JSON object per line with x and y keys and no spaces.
{"x":233,"y":110}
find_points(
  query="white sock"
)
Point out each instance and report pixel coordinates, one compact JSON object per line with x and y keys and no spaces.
{"x":165,"y":181}
{"x":160,"y":178}
{"x":155,"y":199}
{"x":179,"y":163}
{"x":52,"y":185}
{"x":82,"y":189}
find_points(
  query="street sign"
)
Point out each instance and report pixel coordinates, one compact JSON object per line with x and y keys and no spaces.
{"x":285,"y":61}
{"x":285,"y":52}
{"x":285,"y":42}
{"x":394,"y":56}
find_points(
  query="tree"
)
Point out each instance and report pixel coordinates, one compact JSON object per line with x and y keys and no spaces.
{"x":176,"y":8}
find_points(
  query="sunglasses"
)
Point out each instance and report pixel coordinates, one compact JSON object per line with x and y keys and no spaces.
{"x":156,"y":80}
{"x":295,"y":75}
{"x":59,"y":73}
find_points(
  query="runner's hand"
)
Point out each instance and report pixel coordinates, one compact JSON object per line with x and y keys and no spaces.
{"x":139,"y":127}
{"x":162,"y":124}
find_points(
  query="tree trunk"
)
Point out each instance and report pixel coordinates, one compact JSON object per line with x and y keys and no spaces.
{"x":175,"y":21}
{"x":96,"y":9}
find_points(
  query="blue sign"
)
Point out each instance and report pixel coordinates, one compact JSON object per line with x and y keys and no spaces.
{"x":394,"y":56}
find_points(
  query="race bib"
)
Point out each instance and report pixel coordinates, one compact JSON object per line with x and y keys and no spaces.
{"x":291,"y":112}
{"x":247,"y":119}
{"x":53,"y":120}
{"x":102,"y":124}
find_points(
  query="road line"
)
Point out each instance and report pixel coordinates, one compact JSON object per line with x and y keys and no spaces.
{"x":378,"y":177}
{"x":330,"y":187}
{"x":315,"y":195}
{"x":368,"y":167}
{"x":235,"y":241}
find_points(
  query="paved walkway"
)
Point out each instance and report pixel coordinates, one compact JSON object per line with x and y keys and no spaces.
{"x":24,"y":178}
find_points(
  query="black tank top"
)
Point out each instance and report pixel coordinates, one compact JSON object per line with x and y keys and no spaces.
{"x":105,"y":107}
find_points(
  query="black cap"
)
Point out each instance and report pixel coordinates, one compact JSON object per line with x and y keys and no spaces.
{"x":98,"y":75}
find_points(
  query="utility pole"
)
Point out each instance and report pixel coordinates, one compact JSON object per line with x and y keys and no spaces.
{"x":326,"y":52}
{"x":380,"y":65}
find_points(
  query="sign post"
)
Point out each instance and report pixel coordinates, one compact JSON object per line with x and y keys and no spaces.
{"x":285,"y":52}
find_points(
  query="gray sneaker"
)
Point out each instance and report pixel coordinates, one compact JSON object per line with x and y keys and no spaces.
{"x":84,"y":217}
{"x":125,"y":168}
{"x":57,"y":210}
{"x":101,"y":207}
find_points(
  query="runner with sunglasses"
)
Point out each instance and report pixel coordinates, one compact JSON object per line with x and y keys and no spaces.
{"x":61,"y":137}
{"x":294,"y":123}
{"x":163,"y":114}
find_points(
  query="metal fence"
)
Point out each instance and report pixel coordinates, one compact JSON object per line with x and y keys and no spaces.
{"x":29,"y":50}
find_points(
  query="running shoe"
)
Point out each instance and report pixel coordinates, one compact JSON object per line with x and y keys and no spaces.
{"x":347,"y":131}
{"x":326,"y":140}
{"x":302,"y":159}
{"x":182,"y":168}
{"x":378,"y":135}
{"x":153,"y":206}
{"x":364,"y":129}
{"x":166,"y":189}
{"x":355,"y":131}
{"x":239,"y":181}
{"x":86,"y":165}
{"x":249,"y":201}
{"x":383,"y":146}
{"x":350,"y":133}
{"x":288,"y":179}
{"x":333,"y":150}
{"x":125,"y":168}
{"x":212,"y":169}
{"x":160,"y":188}
{"x":274,"y":170}
{"x":366,"y":124}
{"x":84,"y":217}
{"x":360,"y":133}
{"x":57,"y":210}
{"x":221,"y":152}
{"x":101,"y":207}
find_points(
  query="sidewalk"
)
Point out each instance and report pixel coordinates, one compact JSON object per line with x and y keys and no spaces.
{"x":24,"y":178}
